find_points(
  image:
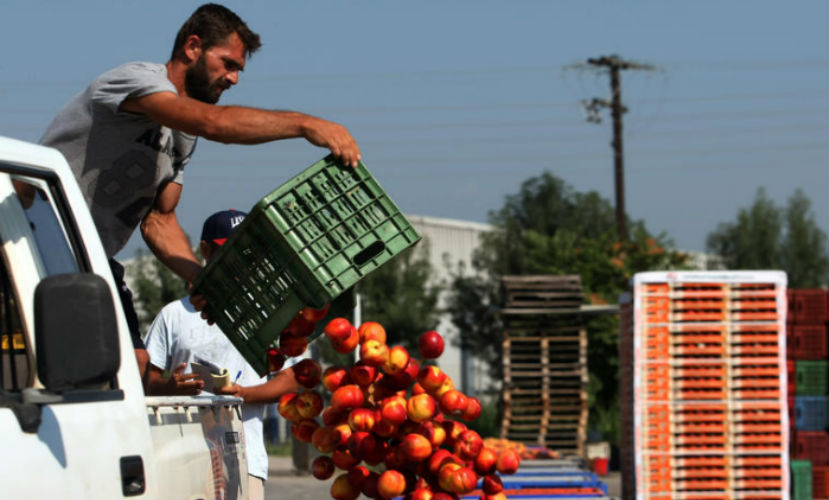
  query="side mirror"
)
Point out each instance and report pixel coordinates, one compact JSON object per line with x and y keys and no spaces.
{"x":76,"y":332}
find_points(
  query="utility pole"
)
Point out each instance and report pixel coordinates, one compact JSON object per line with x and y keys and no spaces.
{"x":614,"y":64}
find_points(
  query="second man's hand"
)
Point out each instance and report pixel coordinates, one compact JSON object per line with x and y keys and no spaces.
{"x":234,"y":390}
{"x":185,"y":383}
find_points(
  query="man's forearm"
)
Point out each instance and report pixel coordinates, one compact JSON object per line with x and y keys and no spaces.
{"x":270,"y":392}
{"x":241,"y":125}
{"x":169,"y":244}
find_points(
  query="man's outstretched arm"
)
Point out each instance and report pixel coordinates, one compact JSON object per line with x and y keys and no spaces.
{"x":244,"y":125}
{"x":268,"y":392}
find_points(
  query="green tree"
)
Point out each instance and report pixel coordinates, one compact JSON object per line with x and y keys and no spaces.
{"x":765,"y":236}
{"x":549,"y":228}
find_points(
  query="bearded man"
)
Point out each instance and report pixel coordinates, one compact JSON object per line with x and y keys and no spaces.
{"x":131,"y":132}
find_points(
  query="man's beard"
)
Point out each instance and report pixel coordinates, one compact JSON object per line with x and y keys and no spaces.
{"x":198,"y":85}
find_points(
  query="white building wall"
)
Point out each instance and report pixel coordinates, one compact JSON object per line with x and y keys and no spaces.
{"x":450,"y":244}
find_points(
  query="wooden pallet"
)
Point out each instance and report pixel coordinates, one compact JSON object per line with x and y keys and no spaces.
{"x":544,"y":361}
{"x":542,"y":292}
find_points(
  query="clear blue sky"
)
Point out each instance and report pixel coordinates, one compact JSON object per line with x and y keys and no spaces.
{"x":454,"y":104}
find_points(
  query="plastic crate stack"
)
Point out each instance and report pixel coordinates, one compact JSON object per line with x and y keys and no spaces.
{"x":545,"y":362}
{"x":806,"y":336}
{"x":703,"y":401}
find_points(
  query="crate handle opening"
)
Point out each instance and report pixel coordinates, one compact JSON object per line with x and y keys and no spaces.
{"x":369,"y":253}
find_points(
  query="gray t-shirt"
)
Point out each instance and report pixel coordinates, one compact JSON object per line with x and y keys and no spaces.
{"x":120,"y":159}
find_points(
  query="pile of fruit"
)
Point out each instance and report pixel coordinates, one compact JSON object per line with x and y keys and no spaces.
{"x":524,"y":451}
{"x":395,"y":425}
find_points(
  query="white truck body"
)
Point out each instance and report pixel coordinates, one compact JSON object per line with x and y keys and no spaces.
{"x":104,"y":440}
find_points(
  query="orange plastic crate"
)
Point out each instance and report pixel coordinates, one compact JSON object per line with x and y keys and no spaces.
{"x":700,"y":383}
{"x":768,"y":328}
{"x":699,"y":338}
{"x":757,"y":371}
{"x":758,"y":484}
{"x":718,"y":461}
{"x":657,"y":288}
{"x":696,"y":394}
{"x":699,"y":316}
{"x":709,"y":428}
{"x":756,"y":393}
{"x":701,"y":473}
{"x":754,"y":316}
{"x":754,"y":349}
{"x":758,"y":428}
{"x":713,"y":484}
{"x":700,"y":439}
{"x":758,"y":461}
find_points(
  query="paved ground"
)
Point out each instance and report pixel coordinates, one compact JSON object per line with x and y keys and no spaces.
{"x":284,"y":483}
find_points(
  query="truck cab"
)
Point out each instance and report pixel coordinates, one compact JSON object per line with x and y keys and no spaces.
{"x":73,"y":415}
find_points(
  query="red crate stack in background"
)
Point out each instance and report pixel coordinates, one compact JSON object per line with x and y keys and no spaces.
{"x":807,"y":347}
{"x":704,"y":410}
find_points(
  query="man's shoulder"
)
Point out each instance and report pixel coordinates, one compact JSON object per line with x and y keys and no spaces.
{"x":137,"y":67}
{"x":133,"y":73}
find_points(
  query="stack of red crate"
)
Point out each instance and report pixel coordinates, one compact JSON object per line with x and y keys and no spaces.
{"x":702,"y":372}
{"x":806,"y":339}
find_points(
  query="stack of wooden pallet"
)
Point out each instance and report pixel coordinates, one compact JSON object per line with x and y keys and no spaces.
{"x":545,"y":362}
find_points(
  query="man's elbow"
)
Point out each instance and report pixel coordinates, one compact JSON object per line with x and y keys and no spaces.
{"x":148,"y":223}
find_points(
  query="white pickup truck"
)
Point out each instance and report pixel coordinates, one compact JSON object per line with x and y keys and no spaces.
{"x":74,"y":421}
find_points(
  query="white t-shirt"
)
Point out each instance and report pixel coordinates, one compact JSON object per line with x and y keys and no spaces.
{"x":179,"y":335}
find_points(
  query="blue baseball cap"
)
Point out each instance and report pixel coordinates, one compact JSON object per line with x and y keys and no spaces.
{"x":217,"y":227}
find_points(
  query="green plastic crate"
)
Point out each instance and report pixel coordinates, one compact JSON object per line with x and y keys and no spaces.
{"x":801,"y":479}
{"x":811,"y":378}
{"x":303,"y":245}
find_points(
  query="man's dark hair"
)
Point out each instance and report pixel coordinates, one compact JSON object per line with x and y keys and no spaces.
{"x":213,"y":23}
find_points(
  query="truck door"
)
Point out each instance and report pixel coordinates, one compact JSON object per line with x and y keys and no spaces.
{"x":90,"y":443}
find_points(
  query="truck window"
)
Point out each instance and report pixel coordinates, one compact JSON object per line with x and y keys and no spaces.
{"x":51,"y":242}
{"x":15,"y":361}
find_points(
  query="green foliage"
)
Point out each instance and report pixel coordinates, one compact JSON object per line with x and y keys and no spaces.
{"x":765,"y":236}
{"x":154,"y":286}
{"x":473,"y":307}
{"x":283,"y":449}
{"x":549,"y":228}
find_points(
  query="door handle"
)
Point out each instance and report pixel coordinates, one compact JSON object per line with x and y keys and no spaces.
{"x":132,"y":476}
